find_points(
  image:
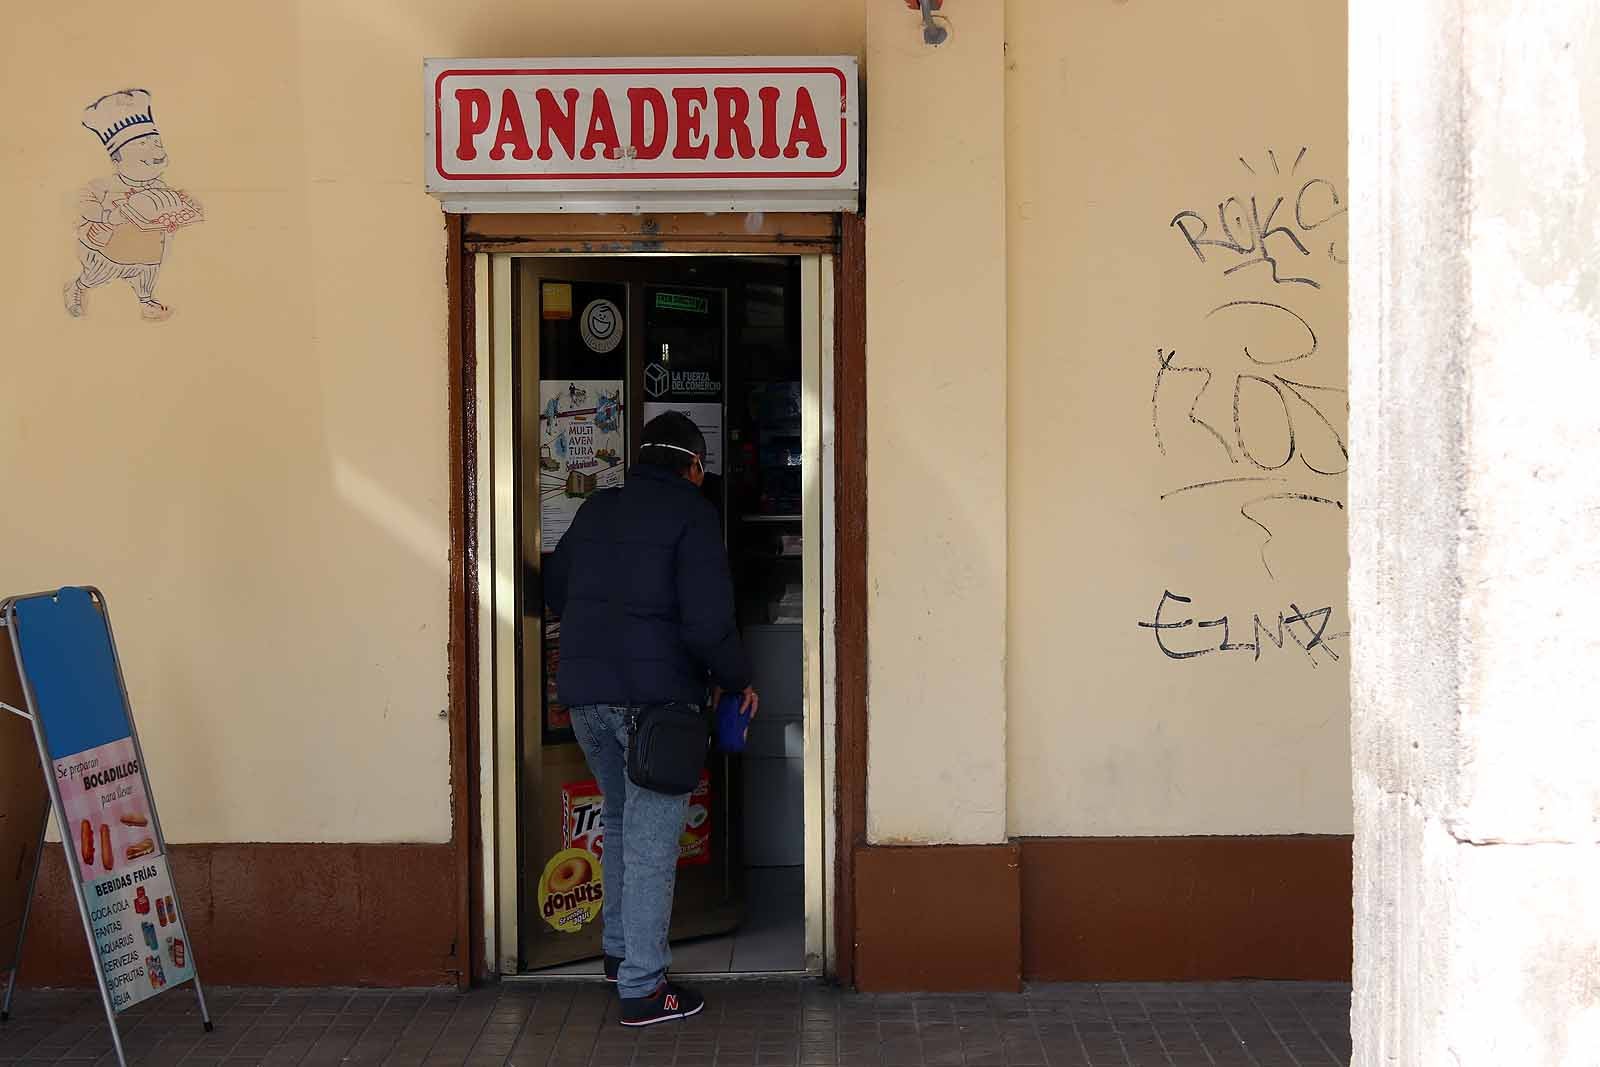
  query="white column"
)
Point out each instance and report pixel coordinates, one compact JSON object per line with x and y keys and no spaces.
{"x":1475,"y":530}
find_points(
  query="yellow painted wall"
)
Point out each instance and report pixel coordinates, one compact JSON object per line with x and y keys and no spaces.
{"x":936,"y":450}
{"x":1121,"y":115}
{"x":259,"y":484}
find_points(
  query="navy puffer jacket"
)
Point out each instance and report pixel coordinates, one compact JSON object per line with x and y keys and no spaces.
{"x":642,"y":587}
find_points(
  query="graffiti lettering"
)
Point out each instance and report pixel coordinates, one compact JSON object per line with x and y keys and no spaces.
{"x":1307,"y":629}
{"x":1252,"y":415}
{"x":1265,"y":408}
{"x":1246,"y":237}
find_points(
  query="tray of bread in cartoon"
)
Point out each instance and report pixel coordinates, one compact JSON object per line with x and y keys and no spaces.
{"x":160,"y":208}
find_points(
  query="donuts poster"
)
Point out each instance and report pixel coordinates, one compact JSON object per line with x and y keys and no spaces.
{"x":571,"y":890}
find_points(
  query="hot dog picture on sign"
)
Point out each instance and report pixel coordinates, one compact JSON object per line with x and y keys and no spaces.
{"x":104,"y":797}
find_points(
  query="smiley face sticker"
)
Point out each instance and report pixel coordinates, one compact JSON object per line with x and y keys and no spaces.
{"x":601,"y":326}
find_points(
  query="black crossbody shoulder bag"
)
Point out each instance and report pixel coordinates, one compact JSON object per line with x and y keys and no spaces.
{"x":667,"y":746}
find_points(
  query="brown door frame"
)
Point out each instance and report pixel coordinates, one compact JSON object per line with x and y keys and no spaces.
{"x":842,"y":235}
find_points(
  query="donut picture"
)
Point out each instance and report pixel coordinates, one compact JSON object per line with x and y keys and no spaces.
{"x":570,"y":873}
{"x":571,"y":890}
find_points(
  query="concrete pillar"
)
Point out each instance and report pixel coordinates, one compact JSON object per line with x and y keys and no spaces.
{"x":1475,"y":530}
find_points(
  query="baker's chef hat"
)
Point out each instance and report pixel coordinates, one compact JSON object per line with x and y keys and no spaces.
{"x":120,"y":117}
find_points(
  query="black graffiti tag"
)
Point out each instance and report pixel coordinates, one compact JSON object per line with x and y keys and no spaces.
{"x":1315,"y":638}
{"x":1276,"y":397}
{"x":1249,"y":233}
{"x":1251,"y":382}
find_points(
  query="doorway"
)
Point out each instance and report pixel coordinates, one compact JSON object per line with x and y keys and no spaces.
{"x":581,"y":352}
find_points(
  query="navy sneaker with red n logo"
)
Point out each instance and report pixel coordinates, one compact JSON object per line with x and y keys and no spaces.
{"x":669,"y":1002}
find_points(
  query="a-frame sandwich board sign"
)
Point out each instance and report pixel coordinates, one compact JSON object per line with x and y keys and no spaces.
{"x":74,"y":694}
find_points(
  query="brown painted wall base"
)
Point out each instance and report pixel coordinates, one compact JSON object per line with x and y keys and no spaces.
{"x":295,"y":915}
{"x":944,"y":919}
{"x":938,"y":919}
{"x":952,"y":918}
{"x":1186,"y":908}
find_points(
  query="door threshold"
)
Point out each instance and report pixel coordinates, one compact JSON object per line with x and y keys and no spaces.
{"x":535,"y":978}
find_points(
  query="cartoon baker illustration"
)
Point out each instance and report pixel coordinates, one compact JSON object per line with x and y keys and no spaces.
{"x":129,"y":218}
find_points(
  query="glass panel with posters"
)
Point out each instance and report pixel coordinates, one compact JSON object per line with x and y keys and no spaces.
{"x":582,"y":434}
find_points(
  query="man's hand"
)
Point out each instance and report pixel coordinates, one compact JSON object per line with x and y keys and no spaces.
{"x":750,"y":700}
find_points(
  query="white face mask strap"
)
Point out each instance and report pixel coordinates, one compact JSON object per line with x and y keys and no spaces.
{"x":675,"y":448}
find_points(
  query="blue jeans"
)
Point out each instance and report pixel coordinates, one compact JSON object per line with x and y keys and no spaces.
{"x":640,"y":862}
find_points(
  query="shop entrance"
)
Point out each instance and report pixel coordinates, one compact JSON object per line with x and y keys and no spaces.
{"x":585,"y":350}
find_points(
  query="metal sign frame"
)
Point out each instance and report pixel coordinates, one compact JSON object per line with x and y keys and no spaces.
{"x":27,"y":904}
{"x":623,"y":182}
{"x":8,"y":620}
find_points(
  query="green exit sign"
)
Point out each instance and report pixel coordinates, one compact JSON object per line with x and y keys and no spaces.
{"x":681,"y":302}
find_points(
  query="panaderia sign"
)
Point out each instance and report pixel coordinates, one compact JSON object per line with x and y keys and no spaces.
{"x":700,"y":134}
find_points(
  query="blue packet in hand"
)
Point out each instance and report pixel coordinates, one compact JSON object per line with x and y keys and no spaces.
{"x":731,"y":723}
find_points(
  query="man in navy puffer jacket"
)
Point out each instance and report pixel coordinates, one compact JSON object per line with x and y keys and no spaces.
{"x":642,"y":587}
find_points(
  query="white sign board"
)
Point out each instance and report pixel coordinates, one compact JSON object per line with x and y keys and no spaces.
{"x":625,"y":135}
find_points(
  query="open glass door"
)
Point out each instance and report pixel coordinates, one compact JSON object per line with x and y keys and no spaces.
{"x":598,"y":346}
